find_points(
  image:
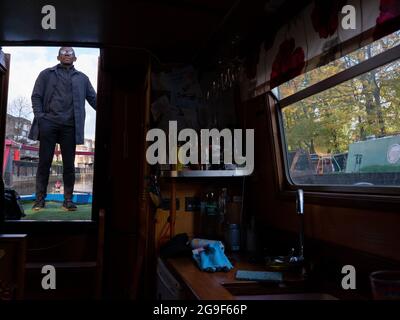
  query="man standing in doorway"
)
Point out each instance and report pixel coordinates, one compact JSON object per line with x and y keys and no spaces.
{"x":58,"y":102}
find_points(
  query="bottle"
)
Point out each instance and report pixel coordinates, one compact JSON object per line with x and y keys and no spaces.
{"x":222,"y":205}
{"x":213,"y":152}
{"x":179,"y":165}
{"x":209,"y":210}
{"x":211,"y":204}
{"x":232,"y":237}
{"x":251,"y":236}
{"x":222,"y":200}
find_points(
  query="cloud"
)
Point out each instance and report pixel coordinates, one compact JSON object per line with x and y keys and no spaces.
{"x":28,"y":62}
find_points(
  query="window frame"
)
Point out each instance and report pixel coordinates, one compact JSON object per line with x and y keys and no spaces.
{"x":55,"y":226}
{"x":368,"y":197}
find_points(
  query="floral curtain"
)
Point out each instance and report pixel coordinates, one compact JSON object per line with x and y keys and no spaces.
{"x":316,"y":37}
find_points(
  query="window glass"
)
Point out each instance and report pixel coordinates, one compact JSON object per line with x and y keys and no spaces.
{"x":348,"y":134}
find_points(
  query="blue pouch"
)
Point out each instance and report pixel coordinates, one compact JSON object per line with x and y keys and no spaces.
{"x":212,"y":258}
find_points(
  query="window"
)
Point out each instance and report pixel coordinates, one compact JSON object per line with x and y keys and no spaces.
{"x":344,"y":130}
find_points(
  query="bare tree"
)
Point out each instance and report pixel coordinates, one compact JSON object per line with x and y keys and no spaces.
{"x":20,"y":109}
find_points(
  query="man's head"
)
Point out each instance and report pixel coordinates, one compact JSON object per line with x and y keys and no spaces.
{"x":66,"y":56}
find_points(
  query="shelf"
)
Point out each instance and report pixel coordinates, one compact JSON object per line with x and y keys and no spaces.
{"x":204,"y":173}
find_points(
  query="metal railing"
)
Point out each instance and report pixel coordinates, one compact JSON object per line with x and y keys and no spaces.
{"x":25,"y":170}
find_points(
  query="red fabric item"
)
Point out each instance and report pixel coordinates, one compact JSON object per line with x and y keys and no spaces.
{"x":288,"y":63}
{"x":389,"y":18}
{"x":325,"y":16}
{"x":17,"y":155}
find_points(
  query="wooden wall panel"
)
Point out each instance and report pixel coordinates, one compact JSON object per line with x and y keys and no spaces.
{"x":61,"y":248}
{"x":186,"y":221}
{"x":121,"y":185}
{"x":370,"y":231}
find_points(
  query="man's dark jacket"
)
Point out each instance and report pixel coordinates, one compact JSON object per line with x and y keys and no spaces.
{"x":43,"y":91}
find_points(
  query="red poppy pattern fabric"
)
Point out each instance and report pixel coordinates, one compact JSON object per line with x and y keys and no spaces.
{"x":389,"y":18}
{"x":315,"y":37}
{"x":325,"y":16}
{"x":288,"y":63}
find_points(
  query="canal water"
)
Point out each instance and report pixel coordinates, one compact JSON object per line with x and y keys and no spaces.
{"x":83,"y":183}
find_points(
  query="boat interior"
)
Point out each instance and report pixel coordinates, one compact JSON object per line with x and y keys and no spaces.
{"x":302,"y":200}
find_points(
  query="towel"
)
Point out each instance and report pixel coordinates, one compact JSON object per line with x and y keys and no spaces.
{"x":211,"y":258}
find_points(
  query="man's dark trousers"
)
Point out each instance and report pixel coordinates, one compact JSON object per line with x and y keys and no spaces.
{"x":51,"y":133}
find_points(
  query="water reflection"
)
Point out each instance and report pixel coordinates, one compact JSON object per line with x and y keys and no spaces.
{"x":83,"y":183}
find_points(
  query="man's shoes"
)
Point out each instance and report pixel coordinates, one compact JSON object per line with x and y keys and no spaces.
{"x":68,"y":205}
{"x":39,"y":204}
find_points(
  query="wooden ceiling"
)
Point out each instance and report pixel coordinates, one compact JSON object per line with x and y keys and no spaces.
{"x":174,"y":31}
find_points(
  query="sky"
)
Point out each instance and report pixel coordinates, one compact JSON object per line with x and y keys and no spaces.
{"x":28,"y":62}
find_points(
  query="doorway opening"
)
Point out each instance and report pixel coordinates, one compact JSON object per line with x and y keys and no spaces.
{"x":21,"y":152}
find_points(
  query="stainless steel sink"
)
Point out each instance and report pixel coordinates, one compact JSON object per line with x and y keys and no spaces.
{"x":290,"y":296}
{"x":252,"y":290}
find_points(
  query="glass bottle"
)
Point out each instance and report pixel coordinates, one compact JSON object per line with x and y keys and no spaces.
{"x":209,"y":208}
